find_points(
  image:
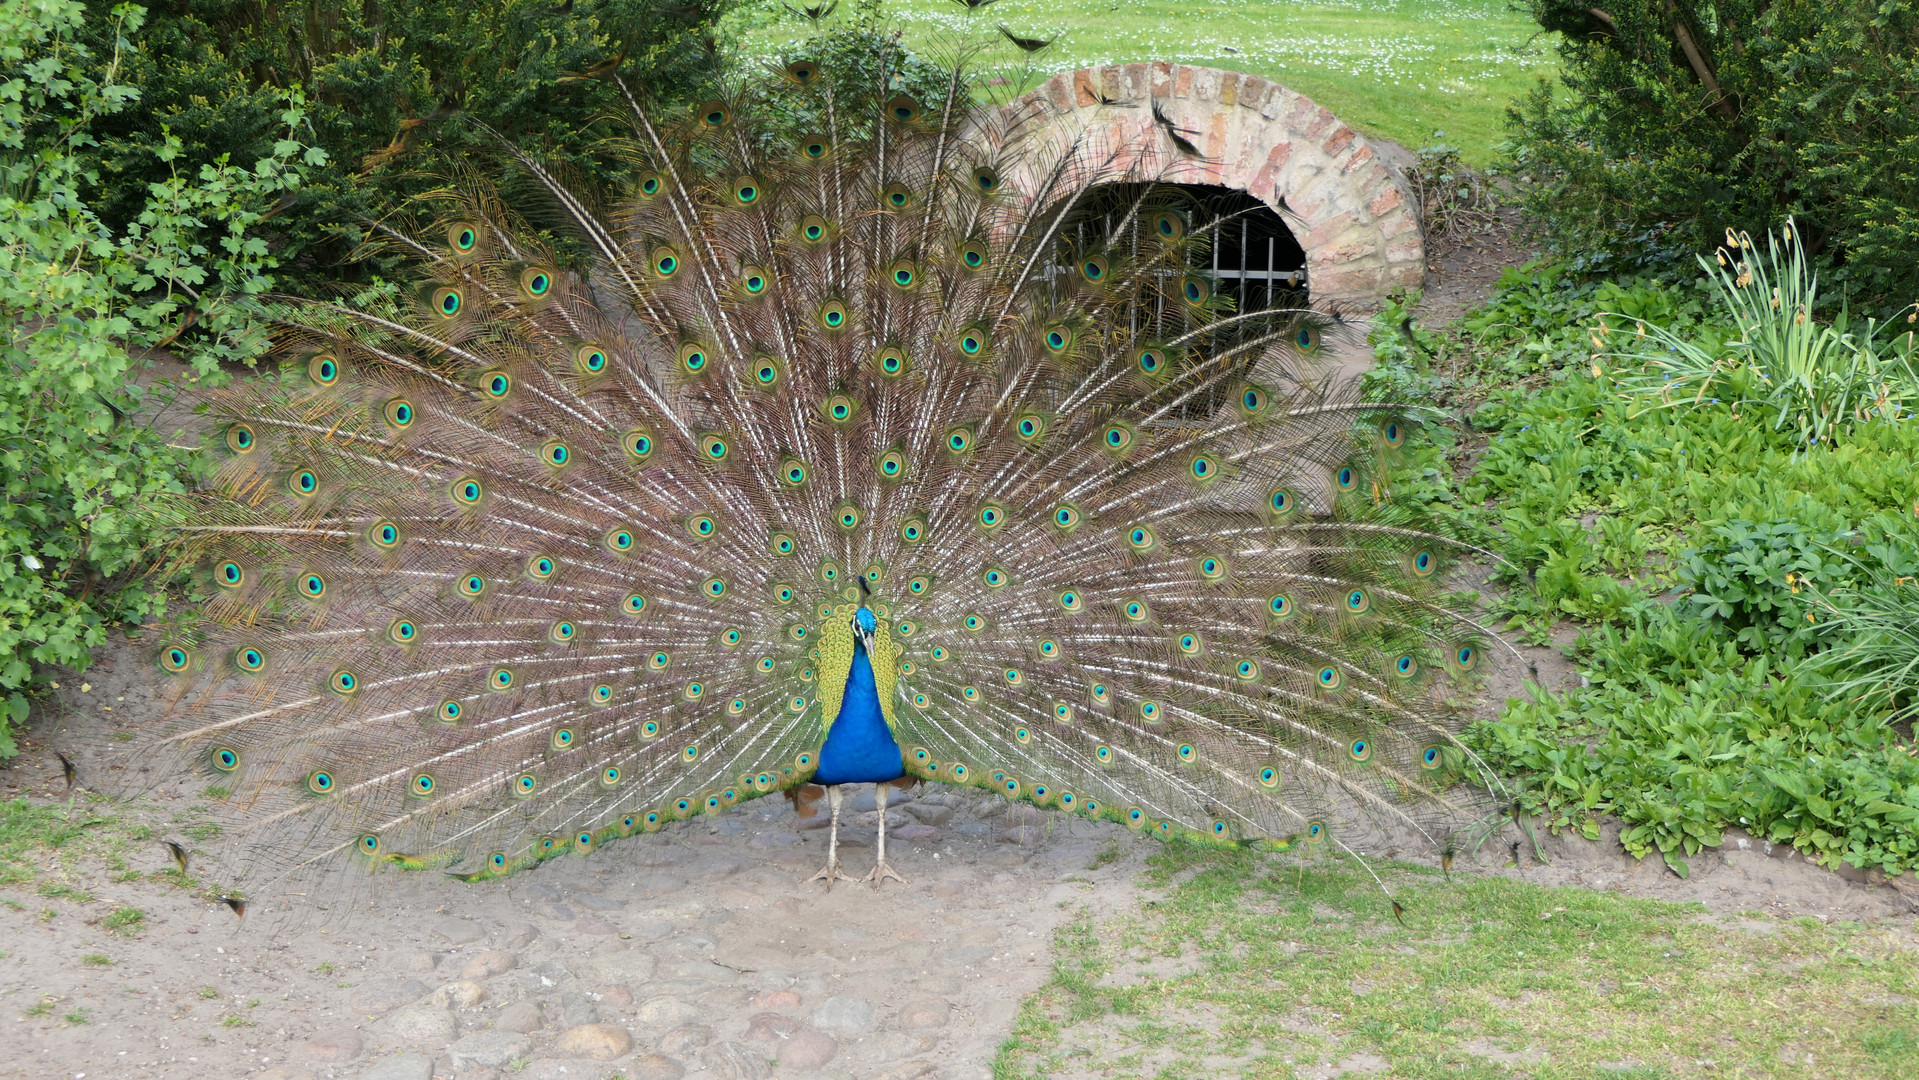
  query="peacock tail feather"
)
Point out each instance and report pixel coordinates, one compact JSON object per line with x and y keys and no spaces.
{"x":560,"y":543}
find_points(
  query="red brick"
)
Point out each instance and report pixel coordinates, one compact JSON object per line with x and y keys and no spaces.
{"x":1162,"y":78}
{"x":1397,"y":223}
{"x":1385,"y":200}
{"x":1060,"y":94}
{"x":1325,"y":229}
{"x":1265,"y":182}
{"x":1083,"y":95}
{"x":1407,"y":250}
{"x":1339,"y":140}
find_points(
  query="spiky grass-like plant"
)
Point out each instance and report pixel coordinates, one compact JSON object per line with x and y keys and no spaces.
{"x":1815,"y":378}
{"x":1878,"y":666}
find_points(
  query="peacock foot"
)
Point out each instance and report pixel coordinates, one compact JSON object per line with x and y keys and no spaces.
{"x":831,"y":874}
{"x":882,"y":872}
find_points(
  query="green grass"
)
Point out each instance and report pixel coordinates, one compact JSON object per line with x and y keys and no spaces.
{"x":1247,"y":968}
{"x":43,"y":843}
{"x":1405,"y":69}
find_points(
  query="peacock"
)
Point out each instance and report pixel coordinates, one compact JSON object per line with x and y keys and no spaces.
{"x":867,"y":436}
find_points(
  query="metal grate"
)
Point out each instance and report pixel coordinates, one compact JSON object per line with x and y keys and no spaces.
{"x":1256,"y":260}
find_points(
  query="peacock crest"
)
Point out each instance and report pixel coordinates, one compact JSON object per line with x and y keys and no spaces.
{"x":571,"y":538}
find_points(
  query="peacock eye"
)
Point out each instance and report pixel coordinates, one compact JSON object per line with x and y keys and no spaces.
{"x":590,"y":359}
{"x":536,"y":282}
{"x":903,"y":109}
{"x":324,"y":369}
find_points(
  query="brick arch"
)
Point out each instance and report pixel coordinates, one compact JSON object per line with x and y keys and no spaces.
{"x":1347,"y":206}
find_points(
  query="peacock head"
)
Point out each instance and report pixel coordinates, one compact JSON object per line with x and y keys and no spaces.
{"x":864,"y":622}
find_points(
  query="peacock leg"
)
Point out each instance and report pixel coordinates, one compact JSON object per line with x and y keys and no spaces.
{"x":832,"y":872}
{"x":881,"y":871}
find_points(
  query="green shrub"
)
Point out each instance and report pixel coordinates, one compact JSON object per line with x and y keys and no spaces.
{"x":1681,"y":735}
{"x":1679,"y":116}
{"x":80,"y":300}
{"x":1695,"y":543}
{"x":392,"y":90}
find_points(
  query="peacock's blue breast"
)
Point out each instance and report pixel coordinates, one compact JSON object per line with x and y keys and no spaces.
{"x":860,"y":749}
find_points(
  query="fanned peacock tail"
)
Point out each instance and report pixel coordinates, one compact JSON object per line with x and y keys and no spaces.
{"x":560,"y":544}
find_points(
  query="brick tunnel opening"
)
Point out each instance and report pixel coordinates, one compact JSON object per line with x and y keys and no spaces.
{"x":1255,"y":263}
{"x":1253,"y":257}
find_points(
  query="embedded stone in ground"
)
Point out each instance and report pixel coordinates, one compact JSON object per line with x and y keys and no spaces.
{"x":844,"y":1013}
{"x":523,"y":1016}
{"x":488,"y":964}
{"x":458,"y":931}
{"x":401,"y":1067}
{"x":332,"y":1047}
{"x":597,"y":1042}
{"x":489,"y":1048}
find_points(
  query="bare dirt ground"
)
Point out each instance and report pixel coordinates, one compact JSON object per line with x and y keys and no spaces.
{"x":696,"y":953}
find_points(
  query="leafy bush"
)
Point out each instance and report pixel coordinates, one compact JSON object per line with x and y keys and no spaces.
{"x":80,"y":301}
{"x":392,"y":90}
{"x":1813,"y":376}
{"x":1746,"y":577}
{"x":1696,"y":543}
{"x":1683,"y":115}
{"x":1682,"y":735}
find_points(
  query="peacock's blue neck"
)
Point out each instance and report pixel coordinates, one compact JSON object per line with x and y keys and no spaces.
{"x":860,"y":748}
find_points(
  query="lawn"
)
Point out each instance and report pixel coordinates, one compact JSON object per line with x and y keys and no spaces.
{"x":1244,"y":967}
{"x":1417,"y":71}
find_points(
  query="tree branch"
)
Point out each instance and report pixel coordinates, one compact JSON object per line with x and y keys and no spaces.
{"x":1720,"y":102}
